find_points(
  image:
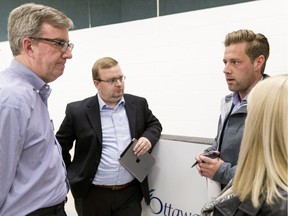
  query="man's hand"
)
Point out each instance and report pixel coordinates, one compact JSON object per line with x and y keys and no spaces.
{"x":207,"y":166}
{"x":142,"y":146}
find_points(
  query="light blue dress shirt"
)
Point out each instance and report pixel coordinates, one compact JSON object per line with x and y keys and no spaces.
{"x":32,"y":172}
{"x":116,"y":137}
{"x":237,"y":102}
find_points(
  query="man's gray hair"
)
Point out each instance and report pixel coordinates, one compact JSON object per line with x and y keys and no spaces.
{"x":27,"y":19}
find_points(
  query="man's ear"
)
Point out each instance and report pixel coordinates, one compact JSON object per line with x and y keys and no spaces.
{"x":96,"y":83}
{"x":259,"y":61}
{"x":27,"y":45}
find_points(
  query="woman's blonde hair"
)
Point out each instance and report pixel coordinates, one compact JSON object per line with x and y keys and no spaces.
{"x":262,"y":165}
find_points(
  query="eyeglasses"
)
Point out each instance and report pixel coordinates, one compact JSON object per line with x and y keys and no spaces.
{"x":113,"y":80}
{"x":62,"y":44}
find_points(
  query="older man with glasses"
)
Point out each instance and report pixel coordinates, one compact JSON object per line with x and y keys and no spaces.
{"x":102,"y":126}
{"x":32,"y":173}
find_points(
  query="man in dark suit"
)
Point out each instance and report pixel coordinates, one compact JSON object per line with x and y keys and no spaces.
{"x":102,"y":126}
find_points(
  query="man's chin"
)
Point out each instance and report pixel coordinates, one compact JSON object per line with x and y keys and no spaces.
{"x":119,"y":93}
{"x":232,"y":88}
{"x":118,"y":96}
{"x":56,"y":74}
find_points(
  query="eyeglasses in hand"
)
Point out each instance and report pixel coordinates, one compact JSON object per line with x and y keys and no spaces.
{"x":62,"y":44}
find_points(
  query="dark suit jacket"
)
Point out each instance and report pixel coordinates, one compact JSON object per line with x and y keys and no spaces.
{"x":82,"y":124}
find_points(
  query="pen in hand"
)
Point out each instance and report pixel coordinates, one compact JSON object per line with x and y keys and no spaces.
{"x":211,"y":155}
{"x":196,"y":162}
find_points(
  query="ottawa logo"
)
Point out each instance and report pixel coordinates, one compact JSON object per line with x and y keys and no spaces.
{"x":158,"y":207}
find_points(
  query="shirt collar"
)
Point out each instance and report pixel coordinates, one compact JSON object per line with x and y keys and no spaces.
{"x":237,"y":100}
{"x":103,"y":105}
{"x":27,"y":74}
{"x":42,"y":88}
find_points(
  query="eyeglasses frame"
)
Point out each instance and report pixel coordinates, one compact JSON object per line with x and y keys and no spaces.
{"x":58,"y":41}
{"x":114,"y":80}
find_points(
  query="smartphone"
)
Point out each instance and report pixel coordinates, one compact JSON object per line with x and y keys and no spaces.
{"x":211,"y":155}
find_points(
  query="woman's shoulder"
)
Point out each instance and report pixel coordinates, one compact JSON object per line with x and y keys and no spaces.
{"x":279,"y":206}
{"x":234,"y":206}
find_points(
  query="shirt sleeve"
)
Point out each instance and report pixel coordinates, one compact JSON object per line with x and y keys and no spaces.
{"x":12,"y":123}
{"x":224,"y":173}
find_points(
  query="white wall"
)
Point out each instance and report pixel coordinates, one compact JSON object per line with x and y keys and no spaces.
{"x":174,"y":61}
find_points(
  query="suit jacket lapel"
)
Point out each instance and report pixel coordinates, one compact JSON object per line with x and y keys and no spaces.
{"x":93,"y":113}
{"x":131,"y":114}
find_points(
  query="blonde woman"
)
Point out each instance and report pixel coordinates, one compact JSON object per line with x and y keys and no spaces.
{"x":261,"y":179}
